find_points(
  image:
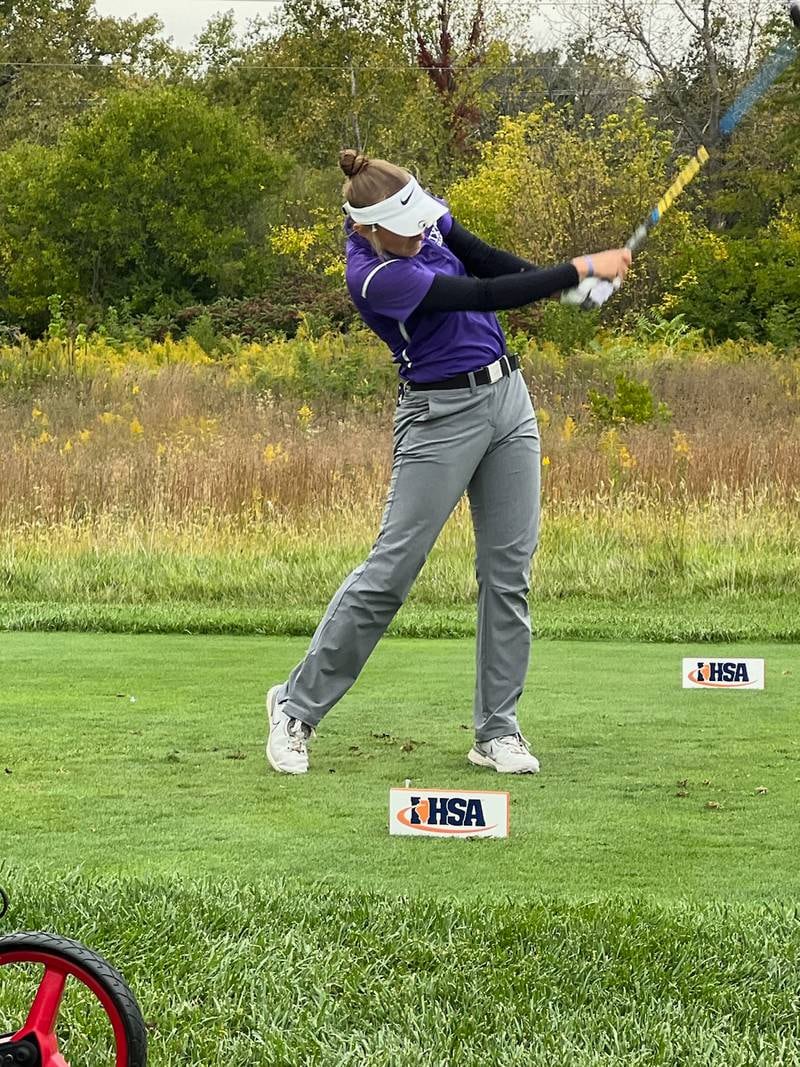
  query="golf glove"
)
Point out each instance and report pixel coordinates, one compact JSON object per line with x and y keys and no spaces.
{"x":591,"y":294}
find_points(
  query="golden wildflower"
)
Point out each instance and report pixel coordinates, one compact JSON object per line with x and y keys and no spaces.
{"x":719,"y":249}
{"x":107,"y":418}
{"x":136,"y":426}
{"x":568,"y":430}
{"x":688,"y":280}
{"x":135,"y":390}
{"x":292,"y":240}
{"x":543,"y":418}
{"x":44,"y":438}
{"x":626,"y":458}
{"x":680,"y":445}
{"x":609,"y":442}
{"x":197,"y":425}
{"x":67,"y":446}
{"x":545,"y":461}
{"x":84,"y":435}
{"x":37,"y":413}
{"x":273,"y":452}
{"x":305,"y":416}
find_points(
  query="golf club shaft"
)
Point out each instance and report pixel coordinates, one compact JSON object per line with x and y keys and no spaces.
{"x":775,"y":64}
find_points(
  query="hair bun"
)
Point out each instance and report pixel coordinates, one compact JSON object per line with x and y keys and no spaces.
{"x":352,"y":162}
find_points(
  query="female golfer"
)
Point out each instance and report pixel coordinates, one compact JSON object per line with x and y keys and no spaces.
{"x":464,"y":422}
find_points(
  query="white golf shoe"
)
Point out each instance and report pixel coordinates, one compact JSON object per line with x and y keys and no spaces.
{"x":508,"y":755}
{"x":287,"y":743}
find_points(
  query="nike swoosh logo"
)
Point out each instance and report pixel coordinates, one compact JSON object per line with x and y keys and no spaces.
{"x":404,"y":202}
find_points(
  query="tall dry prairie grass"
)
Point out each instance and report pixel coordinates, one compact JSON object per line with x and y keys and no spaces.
{"x":172,"y":444}
{"x":185,"y":481}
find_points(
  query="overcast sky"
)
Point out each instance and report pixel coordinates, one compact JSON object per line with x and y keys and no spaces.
{"x":183,"y":19}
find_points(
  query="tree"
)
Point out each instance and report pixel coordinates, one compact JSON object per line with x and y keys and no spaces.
{"x":759,"y":177}
{"x":159,"y":196}
{"x":333,"y":73}
{"x":59,"y":59}
{"x":550,"y":188}
{"x":578,"y":75}
{"x":452,"y":69}
{"x":695,"y":54}
{"x":326,"y":74}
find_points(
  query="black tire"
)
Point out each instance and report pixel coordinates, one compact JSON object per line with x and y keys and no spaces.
{"x":87,"y":967}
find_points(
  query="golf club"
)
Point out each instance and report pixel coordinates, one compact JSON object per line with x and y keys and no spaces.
{"x":592,"y":293}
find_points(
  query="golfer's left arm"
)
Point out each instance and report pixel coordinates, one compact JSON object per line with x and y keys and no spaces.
{"x":480,"y":259}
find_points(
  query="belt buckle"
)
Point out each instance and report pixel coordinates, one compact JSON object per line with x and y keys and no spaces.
{"x":495,"y":371}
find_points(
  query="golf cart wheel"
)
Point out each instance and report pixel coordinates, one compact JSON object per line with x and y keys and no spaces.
{"x":35,"y":1044}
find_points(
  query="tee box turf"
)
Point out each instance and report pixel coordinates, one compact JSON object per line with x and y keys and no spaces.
{"x":448,"y":813}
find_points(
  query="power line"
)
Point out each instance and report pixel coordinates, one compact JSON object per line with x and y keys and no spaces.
{"x":543,"y":93}
{"x":535,"y":5}
{"x":278,"y":66}
{"x":344,"y":68}
{"x":347,"y":70}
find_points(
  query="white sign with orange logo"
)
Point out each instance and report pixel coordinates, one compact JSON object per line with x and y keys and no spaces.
{"x":704,"y":673}
{"x":448,"y":813}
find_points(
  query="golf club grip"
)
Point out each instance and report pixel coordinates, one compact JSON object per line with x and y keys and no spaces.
{"x":692,"y":168}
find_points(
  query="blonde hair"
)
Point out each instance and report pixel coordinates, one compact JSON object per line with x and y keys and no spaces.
{"x":368,"y":182}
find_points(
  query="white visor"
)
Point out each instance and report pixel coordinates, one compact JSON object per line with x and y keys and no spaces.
{"x":407,"y":212}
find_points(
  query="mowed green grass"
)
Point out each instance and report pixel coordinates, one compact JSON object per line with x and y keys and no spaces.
{"x":270,"y":975}
{"x":267,"y":920}
{"x":143,"y":755}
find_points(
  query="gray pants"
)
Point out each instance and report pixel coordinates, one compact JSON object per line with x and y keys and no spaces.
{"x":483,"y":440}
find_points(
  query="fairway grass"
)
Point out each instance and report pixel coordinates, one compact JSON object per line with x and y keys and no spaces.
{"x":144,"y":754}
{"x":642,"y":914}
{"x":278,"y":975}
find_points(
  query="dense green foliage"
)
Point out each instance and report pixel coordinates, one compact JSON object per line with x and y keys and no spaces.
{"x":159,"y":196}
{"x":548,"y":184}
{"x":746,"y":286}
{"x":154,"y":181}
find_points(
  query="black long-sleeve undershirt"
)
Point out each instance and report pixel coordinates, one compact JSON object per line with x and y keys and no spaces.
{"x":448,"y":293}
{"x":483,"y":260}
{"x":501,"y":281}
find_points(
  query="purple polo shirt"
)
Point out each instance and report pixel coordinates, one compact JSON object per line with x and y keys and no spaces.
{"x":387,"y":293}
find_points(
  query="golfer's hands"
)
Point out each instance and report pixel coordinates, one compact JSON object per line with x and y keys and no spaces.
{"x":611,"y":264}
{"x":601,"y":275}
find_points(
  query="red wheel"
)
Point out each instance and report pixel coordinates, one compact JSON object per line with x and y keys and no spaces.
{"x":43,"y":965}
